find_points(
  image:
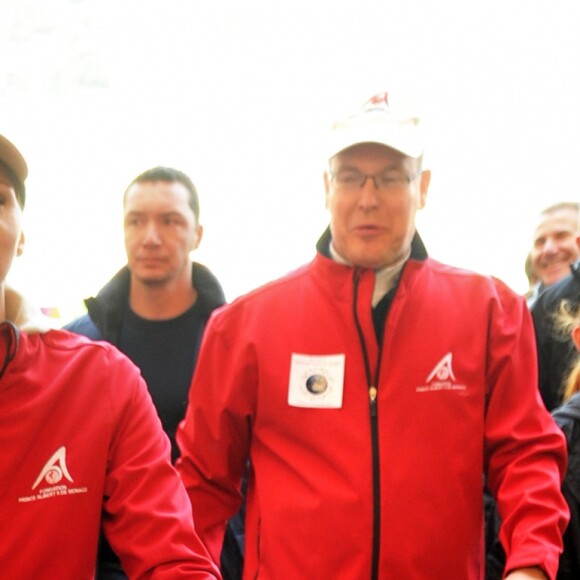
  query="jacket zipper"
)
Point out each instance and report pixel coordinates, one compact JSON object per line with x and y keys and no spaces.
{"x":372,"y":389}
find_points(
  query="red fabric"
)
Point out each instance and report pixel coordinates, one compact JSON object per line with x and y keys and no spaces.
{"x":77,"y":425}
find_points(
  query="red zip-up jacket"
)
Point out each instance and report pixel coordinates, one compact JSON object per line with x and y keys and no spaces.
{"x":367,"y":460}
{"x":80,"y":438}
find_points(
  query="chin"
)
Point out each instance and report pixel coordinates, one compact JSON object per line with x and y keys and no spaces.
{"x":371,"y":264}
{"x":556,"y":277}
{"x":152,"y":280}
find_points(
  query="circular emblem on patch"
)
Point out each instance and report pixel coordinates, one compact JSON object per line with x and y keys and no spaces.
{"x":316,"y":384}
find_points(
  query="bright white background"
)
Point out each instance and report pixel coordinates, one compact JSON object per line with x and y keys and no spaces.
{"x":239,"y":95}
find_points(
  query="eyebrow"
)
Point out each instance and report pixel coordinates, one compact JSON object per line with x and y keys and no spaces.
{"x":163,"y":213}
{"x":349,"y":167}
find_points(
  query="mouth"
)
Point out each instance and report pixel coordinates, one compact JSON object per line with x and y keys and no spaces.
{"x":558,"y":265}
{"x":367,"y":229}
{"x":554,"y":271}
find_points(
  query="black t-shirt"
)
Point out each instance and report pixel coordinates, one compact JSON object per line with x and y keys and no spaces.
{"x":166,"y":352}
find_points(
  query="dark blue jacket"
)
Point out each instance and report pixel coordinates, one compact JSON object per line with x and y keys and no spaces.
{"x":105,"y":311}
{"x":103,"y":322}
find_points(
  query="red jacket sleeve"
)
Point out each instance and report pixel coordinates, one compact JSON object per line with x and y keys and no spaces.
{"x":217,"y":421}
{"x":147,"y":514}
{"x":525,"y":450}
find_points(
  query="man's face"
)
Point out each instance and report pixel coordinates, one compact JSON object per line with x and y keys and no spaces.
{"x":160,"y":231}
{"x":11,"y":236}
{"x":372,"y":228}
{"x":556,"y":245}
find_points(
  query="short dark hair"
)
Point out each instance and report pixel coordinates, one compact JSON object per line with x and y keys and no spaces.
{"x":169,"y":174}
{"x":18,"y":186}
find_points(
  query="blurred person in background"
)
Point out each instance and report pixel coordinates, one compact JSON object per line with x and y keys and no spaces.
{"x":555,"y":244}
{"x":555,"y":260}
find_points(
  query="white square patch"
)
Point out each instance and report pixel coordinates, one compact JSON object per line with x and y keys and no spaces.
{"x":316,"y":381}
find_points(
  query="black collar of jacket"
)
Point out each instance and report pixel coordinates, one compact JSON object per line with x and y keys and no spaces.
{"x":9,"y":338}
{"x":570,"y":409}
{"x":418,"y":250}
{"x":107,"y":308}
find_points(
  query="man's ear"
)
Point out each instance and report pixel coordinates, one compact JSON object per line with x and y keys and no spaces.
{"x":326,"y":188}
{"x":197,"y":237}
{"x":21,"y":243}
{"x":425,"y":181}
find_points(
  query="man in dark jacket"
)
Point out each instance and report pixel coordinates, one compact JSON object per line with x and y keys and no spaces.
{"x":555,"y":353}
{"x":155,"y":309}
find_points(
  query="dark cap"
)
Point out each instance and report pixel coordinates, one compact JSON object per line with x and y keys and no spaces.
{"x":13,"y":160}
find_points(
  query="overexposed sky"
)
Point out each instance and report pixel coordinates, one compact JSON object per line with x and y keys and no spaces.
{"x":239,"y":95}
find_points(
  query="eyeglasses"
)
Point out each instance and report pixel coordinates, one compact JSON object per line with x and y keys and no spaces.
{"x":389,"y":181}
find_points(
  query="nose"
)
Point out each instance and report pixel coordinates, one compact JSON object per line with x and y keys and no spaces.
{"x":151,"y":236}
{"x":550,"y":246}
{"x":369,"y":193}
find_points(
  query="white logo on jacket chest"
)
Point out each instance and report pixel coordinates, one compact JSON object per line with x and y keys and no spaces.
{"x":442,"y":377}
{"x":316,"y":381}
{"x":52,"y":479}
{"x":55,"y":469}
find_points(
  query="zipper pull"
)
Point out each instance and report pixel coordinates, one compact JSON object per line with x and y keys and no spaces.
{"x":373,"y":399}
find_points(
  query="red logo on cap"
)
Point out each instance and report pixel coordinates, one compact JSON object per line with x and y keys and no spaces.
{"x":379,"y":101}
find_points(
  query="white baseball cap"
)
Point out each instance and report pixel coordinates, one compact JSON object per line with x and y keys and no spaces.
{"x":384,"y":120}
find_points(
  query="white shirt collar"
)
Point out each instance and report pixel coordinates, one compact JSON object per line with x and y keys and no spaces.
{"x":385,"y":278}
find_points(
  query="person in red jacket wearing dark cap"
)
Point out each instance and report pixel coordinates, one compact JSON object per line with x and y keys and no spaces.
{"x":82,"y":444}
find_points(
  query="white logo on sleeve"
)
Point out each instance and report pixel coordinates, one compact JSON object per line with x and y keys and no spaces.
{"x":55,"y":469}
{"x":52,"y":480}
{"x":442,"y":377}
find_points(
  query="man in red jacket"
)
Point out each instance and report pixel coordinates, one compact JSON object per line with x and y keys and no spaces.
{"x":81,"y":444}
{"x":370,"y":389}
